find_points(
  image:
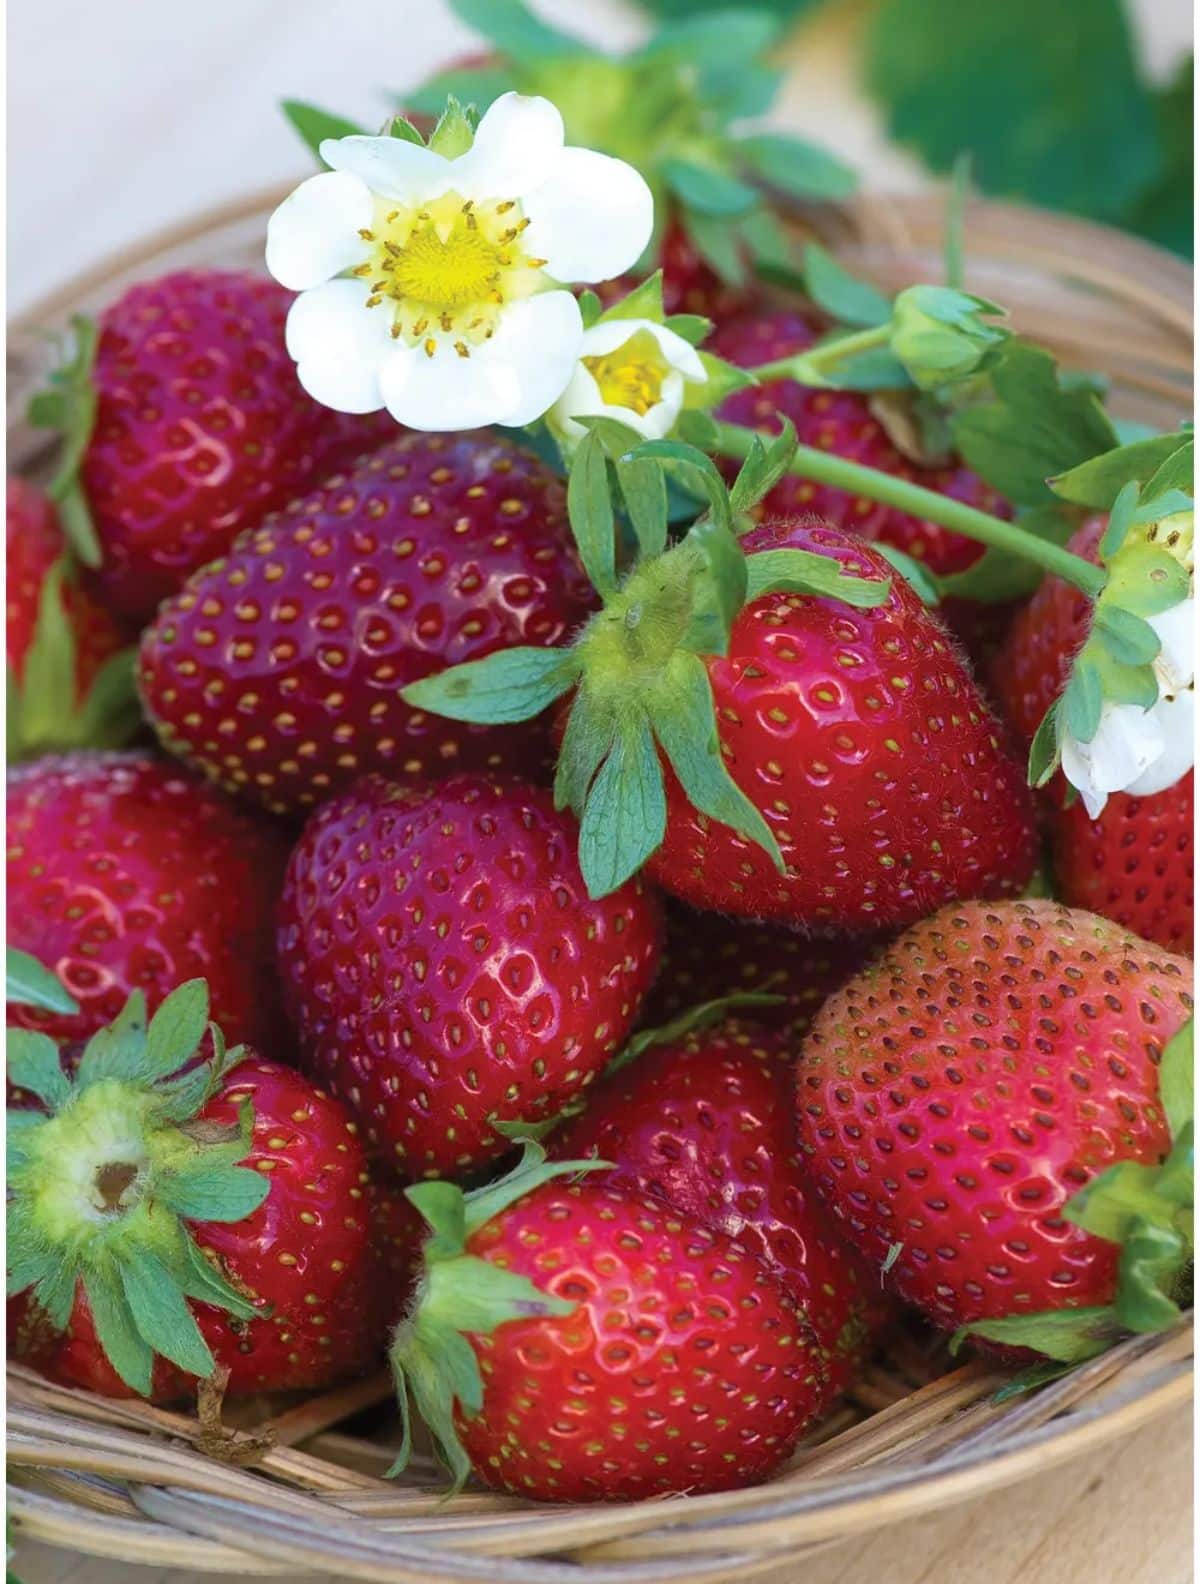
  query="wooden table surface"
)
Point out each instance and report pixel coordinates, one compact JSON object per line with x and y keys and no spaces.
{"x":180,"y":115}
{"x":1119,"y":1516}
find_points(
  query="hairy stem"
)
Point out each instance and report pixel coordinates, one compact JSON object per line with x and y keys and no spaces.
{"x":822,"y":467}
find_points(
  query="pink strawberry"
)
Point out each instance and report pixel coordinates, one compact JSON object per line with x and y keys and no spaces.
{"x":704,"y":1123}
{"x":126,"y":872}
{"x":278,"y":669}
{"x":958,"y":1092}
{"x":1134,"y":863}
{"x":614,"y":1348}
{"x":201,"y":428}
{"x":445,"y":969}
{"x":263,"y":1224}
{"x":71,"y":685}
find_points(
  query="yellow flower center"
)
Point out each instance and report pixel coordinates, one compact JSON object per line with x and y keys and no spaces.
{"x":445,"y":271}
{"x":632,"y":374}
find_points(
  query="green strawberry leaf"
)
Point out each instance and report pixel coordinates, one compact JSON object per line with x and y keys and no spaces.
{"x":69,"y":405}
{"x":509,"y":685}
{"x":834,"y":289}
{"x":590,"y":509}
{"x":732,"y":37}
{"x":28,"y":983}
{"x":695,"y":1019}
{"x":1097,"y":482}
{"x":718,"y":243}
{"x":314,"y":125}
{"x":33,"y":1064}
{"x":470,"y":85}
{"x":515,"y":30}
{"x":625,"y":814}
{"x":1176,"y":1079}
{"x":796,"y":167}
{"x":1069,"y":1335}
{"x":707,"y":191}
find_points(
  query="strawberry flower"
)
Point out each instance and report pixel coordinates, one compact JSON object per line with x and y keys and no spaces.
{"x":633,"y":370}
{"x":1137,"y":750}
{"x":431,"y":278}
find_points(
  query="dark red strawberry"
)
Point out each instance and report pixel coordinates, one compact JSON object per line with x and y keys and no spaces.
{"x":615,"y":1349}
{"x":705,"y":1124}
{"x":70,"y":683}
{"x":126,"y":872}
{"x":958,"y":1092}
{"x":445,"y":969}
{"x":1134,"y":863}
{"x":862,"y":739}
{"x":278,"y":669}
{"x":283,"y":1262}
{"x":706,"y":957}
{"x":201,"y":428}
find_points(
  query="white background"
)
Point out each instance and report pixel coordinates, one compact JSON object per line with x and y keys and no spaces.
{"x":127,"y":115}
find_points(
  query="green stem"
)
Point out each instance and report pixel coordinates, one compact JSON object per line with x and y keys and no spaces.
{"x":808,"y":368}
{"x":822,"y":467}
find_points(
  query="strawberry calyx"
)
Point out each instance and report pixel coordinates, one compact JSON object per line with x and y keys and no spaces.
{"x":1148,"y":1212}
{"x":460,"y":1294}
{"x":68,"y":404}
{"x":45,"y":713}
{"x":105,"y":1175}
{"x":30,"y":983}
{"x":641,"y":691}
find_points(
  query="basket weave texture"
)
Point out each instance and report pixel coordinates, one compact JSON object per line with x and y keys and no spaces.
{"x":284,"y":1489}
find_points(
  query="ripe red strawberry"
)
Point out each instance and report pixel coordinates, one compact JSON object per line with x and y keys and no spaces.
{"x":1134,"y":863}
{"x":283,"y":1250}
{"x":706,"y":957}
{"x":615,"y":1348}
{"x":70,"y":684}
{"x":126,"y":872}
{"x":445,"y":969}
{"x":278,"y":669}
{"x":201,"y":428}
{"x":861,"y":737}
{"x":962,"y":1088}
{"x":705,"y":1123}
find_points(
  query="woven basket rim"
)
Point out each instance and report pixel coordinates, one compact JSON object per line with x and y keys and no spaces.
{"x":97,"y":1476}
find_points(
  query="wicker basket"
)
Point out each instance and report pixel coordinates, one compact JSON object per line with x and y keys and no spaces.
{"x":286,"y":1488}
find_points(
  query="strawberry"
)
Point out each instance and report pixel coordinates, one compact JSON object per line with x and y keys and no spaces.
{"x":192,"y":425}
{"x":577,"y":1343}
{"x":1134,"y":863}
{"x":704,"y":1122}
{"x":955,"y":1095}
{"x":445,"y":970}
{"x":277,"y":670}
{"x":126,"y":872}
{"x":70,"y":678}
{"x":706,"y":957}
{"x":152,"y":1180}
{"x":863,"y":741}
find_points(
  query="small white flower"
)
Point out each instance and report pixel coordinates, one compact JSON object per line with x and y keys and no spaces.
{"x":433,"y":286}
{"x":633,"y":370}
{"x":1136,"y":750}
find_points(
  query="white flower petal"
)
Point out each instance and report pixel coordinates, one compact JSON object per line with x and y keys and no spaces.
{"x":582,"y":395}
{"x":609,"y":334}
{"x":340,"y":346}
{"x":313,"y":235}
{"x":1128,"y":741}
{"x":591,"y":219}
{"x":391,"y":167}
{"x":1175,"y":718}
{"x":1176,"y":663}
{"x":446,"y":391}
{"x":517,"y":144}
{"x":539,"y":339}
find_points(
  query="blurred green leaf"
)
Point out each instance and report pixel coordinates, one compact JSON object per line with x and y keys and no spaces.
{"x":787,"y":9}
{"x":1166,"y":213}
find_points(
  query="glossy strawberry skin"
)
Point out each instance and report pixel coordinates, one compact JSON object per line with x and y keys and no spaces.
{"x":278,"y":670}
{"x":1134,"y":863}
{"x":707,"y":956}
{"x":861,"y":737}
{"x":444,"y":966}
{"x":684,"y":1366}
{"x":126,"y":872}
{"x":33,"y":543}
{"x":954,"y":1095}
{"x":705,"y":1124}
{"x":201,"y":429}
{"x":308,"y":1256}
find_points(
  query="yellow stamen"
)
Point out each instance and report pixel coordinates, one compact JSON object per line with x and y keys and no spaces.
{"x":632,"y":374}
{"x":430,"y":347}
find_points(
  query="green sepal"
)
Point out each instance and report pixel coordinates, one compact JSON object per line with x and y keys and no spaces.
{"x":1177,"y":1078}
{"x":200,"y":1279}
{"x":718,"y":596}
{"x":68,"y":405}
{"x":625,"y":812}
{"x":586,"y":743}
{"x":1175,"y":474}
{"x":1128,"y":638}
{"x":764,"y":466}
{"x":507,"y":686}
{"x":1151,"y":1259}
{"x":1068,"y":1335}
{"x":805,"y":572}
{"x":215,"y":1193}
{"x":454,"y":134}
{"x":643,"y":301}
{"x":28,"y":983}
{"x":118,"y":1050}
{"x":701,"y":476}
{"x":1120,"y":521}
{"x":177,"y":1028}
{"x":693,"y":1021}
{"x":692,"y":328}
{"x":940,"y":334}
{"x":34,"y":1064}
{"x":590,"y":509}
{"x":54,"y":1294}
{"x":915,"y":573}
{"x":1081,"y":701}
{"x":160,"y":1313}
{"x":644,"y":490}
{"x":1097,"y":482}
{"x":477,"y":86}
{"x":314,"y":125}
{"x":1045,"y":751}
{"x":126,"y":1350}
{"x":1146,"y":579}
